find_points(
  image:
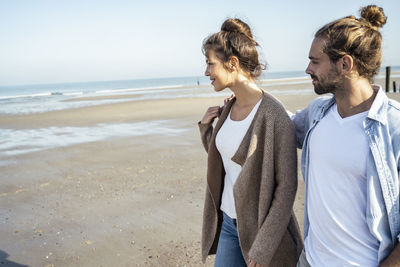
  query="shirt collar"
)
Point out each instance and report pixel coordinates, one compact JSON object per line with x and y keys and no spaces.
{"x":325,"y":107}
{"x":378,"y":107}
{"x":376,"y":112}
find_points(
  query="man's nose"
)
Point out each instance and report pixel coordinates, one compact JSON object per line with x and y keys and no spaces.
{"x":308,"y":70}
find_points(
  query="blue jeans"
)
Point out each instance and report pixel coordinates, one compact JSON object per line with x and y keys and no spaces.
{"x":303,"y":260}
{"x":228,"y":251}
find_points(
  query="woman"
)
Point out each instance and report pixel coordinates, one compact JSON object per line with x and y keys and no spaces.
{"x":252,"y":161}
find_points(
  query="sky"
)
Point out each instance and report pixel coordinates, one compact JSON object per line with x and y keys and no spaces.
{"x":47,"y":41}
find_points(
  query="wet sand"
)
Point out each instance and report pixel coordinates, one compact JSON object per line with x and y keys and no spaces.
{"x":123,"y":201}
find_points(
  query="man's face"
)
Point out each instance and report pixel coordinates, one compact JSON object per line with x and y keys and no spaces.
{"x":324,"y":74}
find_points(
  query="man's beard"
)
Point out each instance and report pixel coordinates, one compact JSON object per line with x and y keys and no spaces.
{"x":329,"y":84}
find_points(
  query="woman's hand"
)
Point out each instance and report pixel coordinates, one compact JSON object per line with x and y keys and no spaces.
{"x":226,"y":100}
{"x":210,"y":115}
{"x":255,"y":264}
{"x":213,"y":112}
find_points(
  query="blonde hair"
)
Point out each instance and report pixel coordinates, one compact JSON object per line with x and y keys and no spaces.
{"x":235,"y":39}
{"x":359,"y":38}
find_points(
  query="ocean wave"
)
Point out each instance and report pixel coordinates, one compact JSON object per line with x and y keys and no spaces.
{"x":8,"y":97}
{"x":73,"y":93}
{"x":25,"y":96}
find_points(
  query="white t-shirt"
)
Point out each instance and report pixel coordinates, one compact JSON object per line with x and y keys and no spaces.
{"x":337,"y":191}
{"x":227,"y":141}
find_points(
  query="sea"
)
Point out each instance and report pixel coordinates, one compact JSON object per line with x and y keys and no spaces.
{"x":36,"y":98}
{"x":39,"y":98}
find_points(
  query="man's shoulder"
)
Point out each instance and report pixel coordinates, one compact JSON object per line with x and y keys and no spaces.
{"x":394,"y":106}
{"x":393,"y":111}
{"x":393,"y":116}
{"x":319,"y":102}
{"x":272,"y":105}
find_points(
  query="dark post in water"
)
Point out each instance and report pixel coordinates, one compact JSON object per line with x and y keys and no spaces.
{"x":387,"y":85}
{"x":394,"y":86}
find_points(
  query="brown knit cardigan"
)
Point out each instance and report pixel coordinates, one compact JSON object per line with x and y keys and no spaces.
{"x":264,"y":192}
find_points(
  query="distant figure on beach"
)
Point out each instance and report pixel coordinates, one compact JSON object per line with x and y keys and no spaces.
{"x":252,"y":162}
{"x":351,"y":149}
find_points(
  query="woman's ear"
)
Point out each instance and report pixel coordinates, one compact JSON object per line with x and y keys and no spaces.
{"x":233,"y":63}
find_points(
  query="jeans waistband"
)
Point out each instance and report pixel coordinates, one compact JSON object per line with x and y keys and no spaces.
{"x":226,"y":217}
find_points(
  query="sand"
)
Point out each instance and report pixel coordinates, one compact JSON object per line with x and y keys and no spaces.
{"x":123,"y":201}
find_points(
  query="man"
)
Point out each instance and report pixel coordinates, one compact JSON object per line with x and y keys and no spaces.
{"x":351,"y":150}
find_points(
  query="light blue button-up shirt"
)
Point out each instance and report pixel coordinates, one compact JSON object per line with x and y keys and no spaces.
{"x":382,"y":126}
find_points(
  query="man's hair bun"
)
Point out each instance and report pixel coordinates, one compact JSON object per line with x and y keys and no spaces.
{"x":374,"y":15}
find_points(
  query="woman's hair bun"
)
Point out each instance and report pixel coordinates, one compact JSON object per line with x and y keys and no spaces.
{"x":237,"y":25}
{"x":374,"y":15}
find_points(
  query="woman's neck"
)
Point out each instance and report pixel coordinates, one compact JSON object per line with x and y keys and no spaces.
{"x":246,"y":92}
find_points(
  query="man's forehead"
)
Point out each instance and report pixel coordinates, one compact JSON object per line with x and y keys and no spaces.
{"x":316,"y":50}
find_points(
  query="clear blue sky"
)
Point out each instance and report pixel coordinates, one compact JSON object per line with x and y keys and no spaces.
{"x":46,"y":41}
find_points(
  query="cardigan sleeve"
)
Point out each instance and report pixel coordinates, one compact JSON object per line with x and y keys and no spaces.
{"x":276,"y":222}
{"x":206,"y":131}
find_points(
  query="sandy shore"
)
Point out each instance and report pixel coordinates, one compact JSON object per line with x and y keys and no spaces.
{"x":124,"y":201}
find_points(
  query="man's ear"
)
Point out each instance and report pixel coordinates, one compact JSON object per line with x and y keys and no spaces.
{"x":346,"y":64}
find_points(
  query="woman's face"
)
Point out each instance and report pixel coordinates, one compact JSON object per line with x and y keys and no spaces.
{"x":219,"y":76}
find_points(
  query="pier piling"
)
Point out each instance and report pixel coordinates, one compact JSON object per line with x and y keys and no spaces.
{"x":387,"y":80}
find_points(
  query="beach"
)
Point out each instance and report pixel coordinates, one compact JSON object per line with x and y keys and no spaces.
{"x":114,"y":184}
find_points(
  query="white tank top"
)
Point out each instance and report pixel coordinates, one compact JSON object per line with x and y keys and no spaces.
{"x":227,"y":141}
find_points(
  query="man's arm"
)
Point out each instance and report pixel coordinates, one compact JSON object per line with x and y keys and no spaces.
{"x":300,"y":121}
{"x":394,"y":257}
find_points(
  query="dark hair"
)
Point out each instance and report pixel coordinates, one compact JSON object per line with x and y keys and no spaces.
{"x":359,"y":38}
{"x":235,"y":39}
